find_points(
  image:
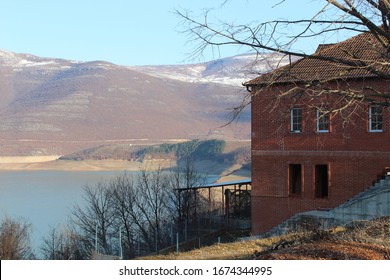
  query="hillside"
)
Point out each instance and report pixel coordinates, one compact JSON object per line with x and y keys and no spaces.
{"x":195,"y":149}
{"x":225,"y":158}
{"x":367,"y":240}
{"x":232,"y":71}
{"x":55,"y":106}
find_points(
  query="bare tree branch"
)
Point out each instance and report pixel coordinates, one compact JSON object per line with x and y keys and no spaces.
{"x":281,"y":35}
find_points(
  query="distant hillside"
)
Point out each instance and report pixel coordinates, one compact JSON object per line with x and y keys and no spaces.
{"x":191,"y":149}
{"x":232,"y":71}
{"x":198,"y":150}
{"x":56,"y":106}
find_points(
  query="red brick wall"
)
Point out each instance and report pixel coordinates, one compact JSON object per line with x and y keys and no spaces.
{"x":355,"y":157}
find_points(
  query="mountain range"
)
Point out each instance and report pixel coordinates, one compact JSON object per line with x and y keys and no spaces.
{"x":57,"y":106}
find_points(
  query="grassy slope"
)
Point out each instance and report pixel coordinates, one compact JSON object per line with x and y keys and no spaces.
{"x":368,"y":240}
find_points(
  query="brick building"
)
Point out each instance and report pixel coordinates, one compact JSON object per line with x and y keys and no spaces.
{"x":306,"y":154}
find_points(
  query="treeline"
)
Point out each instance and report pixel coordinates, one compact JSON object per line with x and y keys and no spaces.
{"x":194,"y":149}
{"x":198,"y":150}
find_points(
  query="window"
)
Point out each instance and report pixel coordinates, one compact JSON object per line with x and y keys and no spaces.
{"x":375,"y":119}
{"x":295,"y":179}
{"x":323,"y":121}
{"x":296,"y":120}
{"x":321,"y":181}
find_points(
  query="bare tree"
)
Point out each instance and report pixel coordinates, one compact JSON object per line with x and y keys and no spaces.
{"x":152,"y":199}
{"x":95,"y":221}
{"x":131,"y":214}
{"x":15,"y":240}
{"x":63,"y":243}
{"x":54,"y":244}
{"x":186,"y":202}
{"x":127,"y":215}
{"x":351,"y":17}
{"x":126,"y":212}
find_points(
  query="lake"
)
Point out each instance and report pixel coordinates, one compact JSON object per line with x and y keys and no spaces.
{"x":45,"y":198}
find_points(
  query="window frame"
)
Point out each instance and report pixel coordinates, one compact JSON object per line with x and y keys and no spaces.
{"x":320,"y":114}
{"x":296,"y":120}
{"x":371,"y":126}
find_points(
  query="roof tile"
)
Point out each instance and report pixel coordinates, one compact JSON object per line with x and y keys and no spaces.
{"x":361,"y":55}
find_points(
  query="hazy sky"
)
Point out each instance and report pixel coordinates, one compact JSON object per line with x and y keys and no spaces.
{"x":127,"y":32}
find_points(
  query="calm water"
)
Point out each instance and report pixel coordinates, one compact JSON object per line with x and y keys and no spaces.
{"x":45,"y":198}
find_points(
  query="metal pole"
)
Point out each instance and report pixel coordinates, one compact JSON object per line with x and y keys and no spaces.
{"x":139,"y":246}
{"x":172,"y":237}
{"x":223,"y":201}
{"x":177,"y":242}
{"x":186,"y":230}
{"x":120,"y":243}
{"x":155,"y":240}
{"x":96,"y":241}
{"x":209,"y":210}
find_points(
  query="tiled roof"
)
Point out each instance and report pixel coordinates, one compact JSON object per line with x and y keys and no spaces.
{"x":361,"y":48}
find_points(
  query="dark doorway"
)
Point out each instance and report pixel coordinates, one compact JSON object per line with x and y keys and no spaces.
{"x":321,"y":181}
{"x":295,"y":180}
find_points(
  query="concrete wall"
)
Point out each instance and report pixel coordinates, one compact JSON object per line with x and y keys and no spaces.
{"x":373,"y":203}
{"x":367,"y":205}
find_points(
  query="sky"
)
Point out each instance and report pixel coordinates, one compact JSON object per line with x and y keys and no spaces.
{"x":127,"y":32}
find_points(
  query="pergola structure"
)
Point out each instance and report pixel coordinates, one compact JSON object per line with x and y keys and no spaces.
{"x":233,"y":203}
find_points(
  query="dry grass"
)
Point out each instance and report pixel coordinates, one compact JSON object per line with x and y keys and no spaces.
{"x":231,"y":251}
{"x":239,"y":250}
{"x":363,"y":240}
{"x":359,"y":241}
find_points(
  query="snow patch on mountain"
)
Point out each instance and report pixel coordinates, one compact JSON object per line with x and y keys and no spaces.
{"x":229,"y":71}
{"x":232,"y":71}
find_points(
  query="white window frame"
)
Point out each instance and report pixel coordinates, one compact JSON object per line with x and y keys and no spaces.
{"x":319,"y":116}
{"x":293,"y":118}
{"x":371,"y":124}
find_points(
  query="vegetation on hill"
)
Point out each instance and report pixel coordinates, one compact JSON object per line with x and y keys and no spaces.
{"x":203,"y":149}
{"x":216,"y":150}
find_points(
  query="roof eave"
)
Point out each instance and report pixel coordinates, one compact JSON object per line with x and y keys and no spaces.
{"x":250,"y":86}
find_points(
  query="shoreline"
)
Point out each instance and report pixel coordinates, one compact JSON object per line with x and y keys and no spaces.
{"x":52,"y":163}
{"x":27,"y":159}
